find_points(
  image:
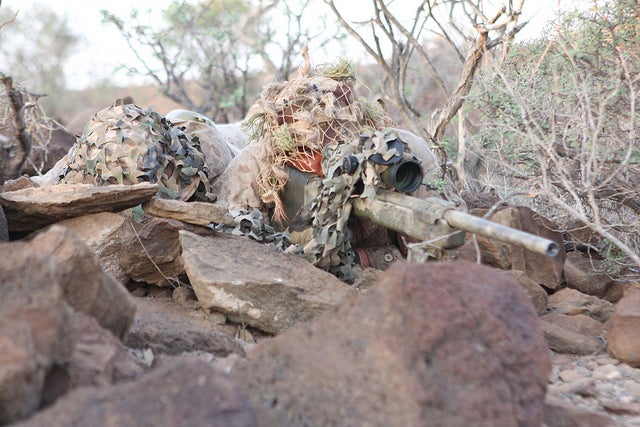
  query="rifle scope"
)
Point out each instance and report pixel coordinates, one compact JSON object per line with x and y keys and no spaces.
{"x":404,"y":175}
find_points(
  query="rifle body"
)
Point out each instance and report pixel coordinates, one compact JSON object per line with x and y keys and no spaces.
{"x":434,"y":220}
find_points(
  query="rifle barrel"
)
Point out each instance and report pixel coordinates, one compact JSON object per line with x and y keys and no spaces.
{"x":501,"y":232}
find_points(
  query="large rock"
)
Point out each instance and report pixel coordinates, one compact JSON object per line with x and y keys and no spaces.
{"x":564,"y":340}
{"x":152,"y":255}
{"x":541,"y":269}
{"x":255,"y":284}
{"x":166,"y":327}
{"x":572,"y":302}
{"x":36,"y":329}
{"x":104,"y":233}
{"x":190,"y":394}
{"x":535,"y":292}
{"x":86,"y":287}
{"x":99,"y":358}
{"x":432,"y":344}
{"x":586,"y":275}
{"x":35,"y":207}
{"x":624,"y":331}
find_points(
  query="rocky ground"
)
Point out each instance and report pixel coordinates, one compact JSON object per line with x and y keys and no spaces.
{"x":159,"y":320}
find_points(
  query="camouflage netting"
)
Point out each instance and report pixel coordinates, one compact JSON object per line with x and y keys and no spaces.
{"x":125,"y":144}
{"x":312,"y":123}
{"x":298,"y":118}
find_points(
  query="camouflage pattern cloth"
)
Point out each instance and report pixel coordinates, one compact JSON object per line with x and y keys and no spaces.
{"x":124,"y":144}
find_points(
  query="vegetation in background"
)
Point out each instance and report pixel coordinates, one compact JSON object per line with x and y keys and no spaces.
{"x":559,"y":119}
{"x":211,"y":55}
{"x":34,"y":49}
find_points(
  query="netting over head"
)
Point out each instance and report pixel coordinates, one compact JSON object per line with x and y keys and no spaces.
{"x":298,"y":118}
{"x":124,"y":144}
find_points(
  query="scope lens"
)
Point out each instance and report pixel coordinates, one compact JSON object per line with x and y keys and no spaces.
{"x":403,"y":176}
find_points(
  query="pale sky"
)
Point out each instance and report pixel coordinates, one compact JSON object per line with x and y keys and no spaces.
{"x":103,"y":47}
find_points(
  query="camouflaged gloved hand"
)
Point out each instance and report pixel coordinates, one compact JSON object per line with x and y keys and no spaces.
{"x":125,"y":144}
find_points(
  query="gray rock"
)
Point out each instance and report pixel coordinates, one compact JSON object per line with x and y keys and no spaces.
{"x":189,"y":393}
{"x":254,"y":284}
{"x":438,"y":344}
{"x":557,"y":413}
{"x":99,"y":358}
{"x":167,"y":327}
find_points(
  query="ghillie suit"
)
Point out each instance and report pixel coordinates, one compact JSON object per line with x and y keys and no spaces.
{"x":299,"y":118}
{"x":124,"y":144}
{"x":309,"y":124}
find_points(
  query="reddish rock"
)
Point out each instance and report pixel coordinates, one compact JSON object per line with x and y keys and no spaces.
{"x":617,"y":290}
{"x":443,"y":344}
{"x":36,"y":330}
{"x":541,"y":269}
{"x":191,"y":393}
{"x":586,"y":275}
{"x":87,"y":288}
{"x":572,"y":302}
{"x":580,"y":323}
{"x":624,"y":331}
{"x":563,"y":340}
{"x":536,"y":293}
{"x":99,"y":358}
{"x":104,"y":233}
{"x":152,"y":255}
{"x":167,"y":327}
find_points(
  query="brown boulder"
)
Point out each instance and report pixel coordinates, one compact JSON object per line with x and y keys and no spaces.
{"x":544,"y":270}
{"x":152,"y":254}
{"x":586,"y":275}
{"x":86,"y":287}
{"x":564,"y":340}
{"x":572,"y":302}
{"x":535,"y":292}
{"x":36,"y":207}
{"x":439,"y":344}
{"x":189,"y":393}
{"x":166,"y":327}
{"x":36,"y":329}
{"x":104,"y":233}
{"x":99,"y":358}
{"x":624,"y":331}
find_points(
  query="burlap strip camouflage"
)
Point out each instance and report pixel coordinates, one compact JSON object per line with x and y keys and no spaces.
{"x":125,"y":144}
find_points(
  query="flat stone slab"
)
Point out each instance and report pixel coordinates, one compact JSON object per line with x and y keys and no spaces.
{"x":32,"y":208}
{"x":198,"y":213}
